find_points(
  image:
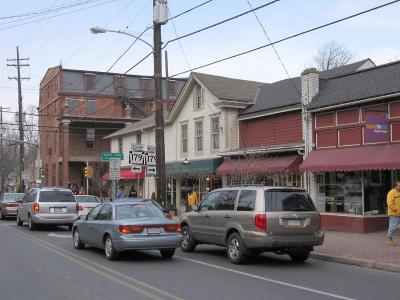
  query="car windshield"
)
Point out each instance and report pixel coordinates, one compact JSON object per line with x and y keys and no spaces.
{"x":139,"y":210}
{"x":288,"y":200}
{"x":87,"y":199}
{"x":12,"y":197}
{"x":56,"y":196}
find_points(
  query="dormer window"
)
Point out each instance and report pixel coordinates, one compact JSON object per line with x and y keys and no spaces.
{"x":199,"y":97}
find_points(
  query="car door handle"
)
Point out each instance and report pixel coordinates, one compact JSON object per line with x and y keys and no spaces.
{"x":227,"y":216}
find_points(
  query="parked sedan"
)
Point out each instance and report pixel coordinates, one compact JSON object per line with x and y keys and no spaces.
{"x":9,"y":204}
{"x":127,"y":225}
{"x":86,"y":203}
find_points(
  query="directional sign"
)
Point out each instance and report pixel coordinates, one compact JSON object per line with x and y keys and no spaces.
{"x":136,"y":147}
{"x":151,"y":148}
{"x":136,"y":168}
{"x":115,"y":169}
{"x":136,"y":157}
{"x":150,"y":159}
{"x":26,"y":175}
{"x":108,"y":155}
{"x":151,"y":171}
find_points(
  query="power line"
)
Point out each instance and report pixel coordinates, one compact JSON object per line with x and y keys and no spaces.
{"x":273,"y":47}
{"x":190,"y":9}
{"x":220,"y":22}
{"x":288,"y":37}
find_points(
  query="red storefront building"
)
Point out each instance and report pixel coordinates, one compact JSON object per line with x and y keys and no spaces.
{"x":354,"y":149}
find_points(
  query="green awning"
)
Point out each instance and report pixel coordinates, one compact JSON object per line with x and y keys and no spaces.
{"x":195,"y":167}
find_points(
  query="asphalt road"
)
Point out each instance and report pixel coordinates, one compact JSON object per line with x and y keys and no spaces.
{"x":44,"y":265}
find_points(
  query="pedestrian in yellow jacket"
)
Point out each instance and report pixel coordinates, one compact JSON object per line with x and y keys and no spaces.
{"x":393,"y":203}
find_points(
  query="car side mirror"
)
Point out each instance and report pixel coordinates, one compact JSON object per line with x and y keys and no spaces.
{"x":195,"y":207}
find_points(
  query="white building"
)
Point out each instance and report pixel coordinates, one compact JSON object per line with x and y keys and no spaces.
{"x":200,"y":126}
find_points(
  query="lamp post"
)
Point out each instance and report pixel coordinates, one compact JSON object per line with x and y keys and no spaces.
{"x":97,"y":29}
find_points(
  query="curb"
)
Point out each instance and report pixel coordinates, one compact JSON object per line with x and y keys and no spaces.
{"x":358,"y":262}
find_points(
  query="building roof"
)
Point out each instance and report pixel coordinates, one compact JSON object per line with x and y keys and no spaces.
{"x":287,"y":92}
{"x":146,"y":123}
{"x":373,"y":82}
{"x":226,"y":88}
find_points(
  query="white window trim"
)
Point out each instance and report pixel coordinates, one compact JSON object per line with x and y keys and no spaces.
{"x":202,"y":135}
{"x":181,"y":137}
{"x":213,"y":149}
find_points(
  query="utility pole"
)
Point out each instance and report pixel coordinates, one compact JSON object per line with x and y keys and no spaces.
{"x":18,"y":65}
{"x":167,"y":81}
{"x":160,"y":17}
{"x":1,"y":148}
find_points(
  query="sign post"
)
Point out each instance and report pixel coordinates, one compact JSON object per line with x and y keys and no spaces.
{"x":115,"y":173}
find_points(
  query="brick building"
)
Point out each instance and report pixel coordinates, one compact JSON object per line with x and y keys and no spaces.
{"x":271,"y":135}
{"x":78,"y":108}
{"x":354,"y":145}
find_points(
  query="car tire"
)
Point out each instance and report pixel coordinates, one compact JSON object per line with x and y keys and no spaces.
{"x":69,"y":227}
{"x":2,"y":217}
{"x":299,"y":256}
{"x":236,"y":249}
{"x":19,"y":222}
{"x":31,"y":224}
{"x":109,"y":250}
{"x":77,"y":240}
{"x":188,"y":243}
{"x":167,"y":253}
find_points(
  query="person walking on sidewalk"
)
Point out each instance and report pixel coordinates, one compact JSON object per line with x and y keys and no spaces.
{"x":393,"y":203}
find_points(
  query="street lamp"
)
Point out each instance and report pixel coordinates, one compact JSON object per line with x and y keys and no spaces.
{"x":97,"y":29}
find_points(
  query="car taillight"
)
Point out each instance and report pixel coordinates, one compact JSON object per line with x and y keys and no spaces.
{"x":168,"y":216}
{"x":11,"y":205}
{"x":260,"y":220}
{"x":36,"y":207}
{"x":78,"y":207}
{"x":172,"y":228}
{"x":130,"y":229}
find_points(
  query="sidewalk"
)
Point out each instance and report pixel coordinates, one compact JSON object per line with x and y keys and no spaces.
{"x":366,"y":250}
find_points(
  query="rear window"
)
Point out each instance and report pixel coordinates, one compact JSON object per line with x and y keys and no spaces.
{"x":137,"y":211}
{"x":13,"y":197}
{"x":87,"y":199}
{"x":56,"y":196}
{"x":288,"y":200}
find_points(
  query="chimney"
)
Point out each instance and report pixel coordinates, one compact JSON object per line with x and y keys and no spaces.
{"x":128,"y":112}
{"x":309,"y":85}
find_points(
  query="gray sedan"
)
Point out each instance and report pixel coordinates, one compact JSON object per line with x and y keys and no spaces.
{"x":9,"y":204}
{"x":127,"y":225}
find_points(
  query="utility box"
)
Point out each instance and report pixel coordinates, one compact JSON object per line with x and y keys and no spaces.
{"x":160,"y":13}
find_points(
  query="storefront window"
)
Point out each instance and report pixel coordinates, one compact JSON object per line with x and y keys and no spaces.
{"x":340,"y":192}
{"x":376,"y":186}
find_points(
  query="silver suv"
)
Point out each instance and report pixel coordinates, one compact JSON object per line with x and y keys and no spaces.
{"x":48,"y":206}
{"x":254,"y":219}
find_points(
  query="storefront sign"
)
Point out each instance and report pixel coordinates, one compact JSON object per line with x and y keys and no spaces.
{"x":376,"y":129}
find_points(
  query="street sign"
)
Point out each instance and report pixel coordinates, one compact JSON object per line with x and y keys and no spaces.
{"x":136,"y":147}
{"x":151,"y":148}
{"x":26,"y":175}
{"x":136,"y":157}
{"x":115,"y":168}
{"x":38,"y":163}
{"x":108,"y":155}
{"x":151,"y":171}
{"x":151,"y":158}
{"x":136,"y":168}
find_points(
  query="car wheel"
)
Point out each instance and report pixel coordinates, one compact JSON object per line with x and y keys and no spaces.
{"x":299,"y":256}
{"x":31,"y":224}
{"x":188,"y":243}
{"x":19,"y":222}
{"x":237,"y":252}
{"x":109,"y":250}
{"x":77,"y":240}
{"x":167,"y":253}
{"x":69,"y":227}
{"x":2,"y":217}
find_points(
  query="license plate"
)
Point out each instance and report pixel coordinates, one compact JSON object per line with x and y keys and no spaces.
{"x":294,"y":223}
{"x":153,"y":230}
{"x":58,"y":209}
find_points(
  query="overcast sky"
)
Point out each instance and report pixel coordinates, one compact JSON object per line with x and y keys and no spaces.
{"x":67,"y":40}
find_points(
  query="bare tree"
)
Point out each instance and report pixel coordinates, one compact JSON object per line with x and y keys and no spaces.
{"x":332,"y":55}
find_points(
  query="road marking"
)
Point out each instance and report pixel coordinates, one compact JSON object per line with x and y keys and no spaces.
{"x":81,"y":261}
{"x":63,"y":236}
{"x":265,"y":278}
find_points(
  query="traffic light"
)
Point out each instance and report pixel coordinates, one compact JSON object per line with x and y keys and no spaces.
{"x":42,"y":173}
{"x":86,"y":171}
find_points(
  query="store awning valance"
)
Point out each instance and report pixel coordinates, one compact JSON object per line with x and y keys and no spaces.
{"x":195,"y":167}
{"x":277,"y":164}
{"x":374,"y":157}
{"x":125,"y":174}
